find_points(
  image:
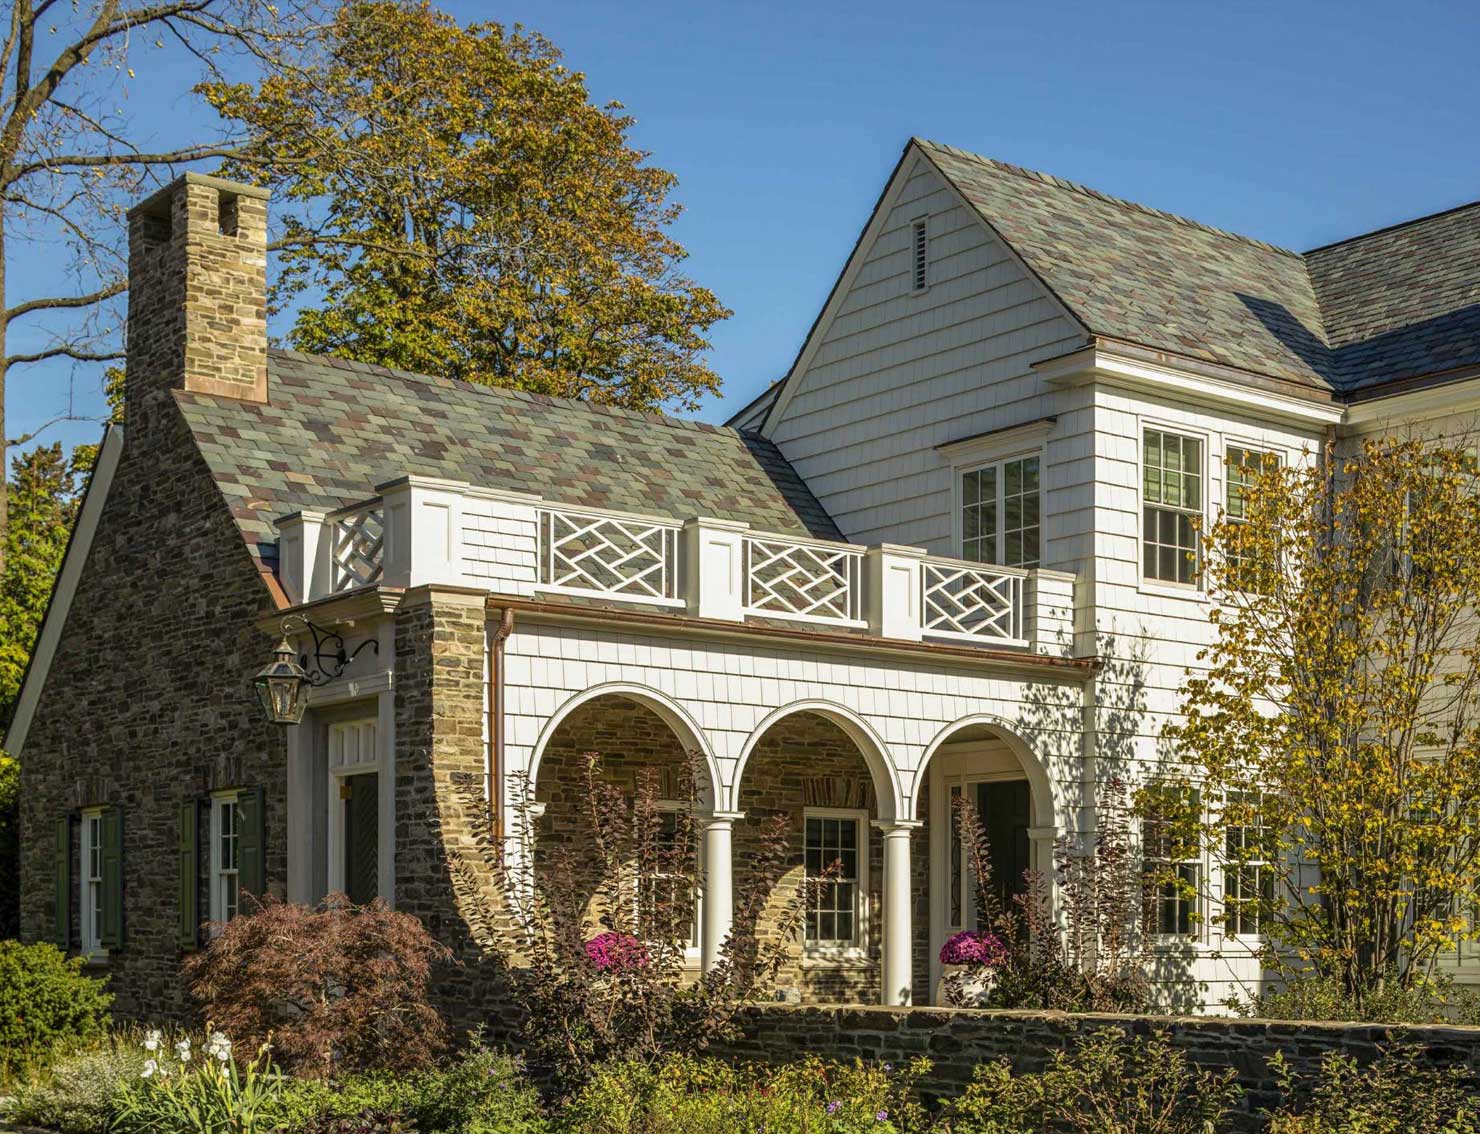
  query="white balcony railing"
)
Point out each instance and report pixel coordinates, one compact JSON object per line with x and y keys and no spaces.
{"x":966,"y":602}
{"x":608,"y":555}
{"x":358,"y":549}
{"x":421,"y":531}
{"x":803,"y":580}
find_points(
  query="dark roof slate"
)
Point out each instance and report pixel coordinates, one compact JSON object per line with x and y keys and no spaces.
{"x":332,"y":430}
{"x":1390,"y":305}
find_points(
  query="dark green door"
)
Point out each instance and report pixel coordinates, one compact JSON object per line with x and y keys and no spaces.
{"x":362,"y":837}
{"x":1004,"y":807}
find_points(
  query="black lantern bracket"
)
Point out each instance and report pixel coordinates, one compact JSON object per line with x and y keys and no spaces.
{"x":329,"y":657}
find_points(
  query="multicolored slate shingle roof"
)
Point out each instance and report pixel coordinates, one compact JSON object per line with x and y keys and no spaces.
{"x":1390,"y":305}
{"x":332,"y":430}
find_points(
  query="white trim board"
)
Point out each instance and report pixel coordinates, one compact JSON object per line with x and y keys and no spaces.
{"x":75,"y":559}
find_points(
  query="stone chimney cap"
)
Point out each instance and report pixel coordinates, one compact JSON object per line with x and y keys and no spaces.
{"x":155,"y":201}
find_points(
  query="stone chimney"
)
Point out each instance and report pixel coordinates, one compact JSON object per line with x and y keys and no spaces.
{"x":197,"y":300}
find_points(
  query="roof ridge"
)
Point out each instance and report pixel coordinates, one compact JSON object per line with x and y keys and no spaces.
{"x":653,"y":416}
{"x":1393,"y":227}
{"x":1108,"y":198}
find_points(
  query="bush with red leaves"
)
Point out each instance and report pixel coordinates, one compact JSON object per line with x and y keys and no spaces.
{"x":337,"y":988}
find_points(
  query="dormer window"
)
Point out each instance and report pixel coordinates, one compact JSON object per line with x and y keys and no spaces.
{"x":920,"y":253}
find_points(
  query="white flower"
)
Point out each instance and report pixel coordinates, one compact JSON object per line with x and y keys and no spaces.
{"x":218,"y":1047}
{"x":150,"y":1067}
{"x":182,"y":1050}
{"x":152,"y":1038}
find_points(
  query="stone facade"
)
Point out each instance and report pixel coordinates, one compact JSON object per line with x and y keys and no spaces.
{"x":148,"y":703}
{"x":956,"y":1041}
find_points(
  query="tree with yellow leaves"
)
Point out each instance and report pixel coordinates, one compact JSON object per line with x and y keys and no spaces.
{"x":1337,"y":727}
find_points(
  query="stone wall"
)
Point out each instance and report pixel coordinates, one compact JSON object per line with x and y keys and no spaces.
{"x":957,"y":1040}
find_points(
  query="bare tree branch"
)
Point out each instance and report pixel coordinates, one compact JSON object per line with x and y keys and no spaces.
{"x":64,"y":350}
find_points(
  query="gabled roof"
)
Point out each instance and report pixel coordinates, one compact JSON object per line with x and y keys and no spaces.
{"x":1392,"y":305}
{"x":332,"y":430}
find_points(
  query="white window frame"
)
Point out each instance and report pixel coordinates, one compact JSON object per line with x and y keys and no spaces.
{"x":693,"y":946}
{"x":999,"y":534}
{"x":858,"y":947}
{"x":1230,"y":870}
{"x":1197,"y":916}
{"x":920,"y":255}
{"x":1150,"y":583}
{"x":221,"y":801}
{"x":90,"y":907}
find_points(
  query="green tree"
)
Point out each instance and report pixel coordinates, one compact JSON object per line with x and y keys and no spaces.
{"x":1337,"y":729}
{"x":451,"y":202}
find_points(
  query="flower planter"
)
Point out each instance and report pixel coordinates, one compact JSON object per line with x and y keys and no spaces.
{"x":971,"y":983}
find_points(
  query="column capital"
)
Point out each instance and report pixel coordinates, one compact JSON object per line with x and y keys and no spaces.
{"x":718,"y":818}
{"x":1037,"y":833}
{"x":891,"y":827}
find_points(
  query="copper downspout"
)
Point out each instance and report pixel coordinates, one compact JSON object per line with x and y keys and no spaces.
{"x":496,"y":717}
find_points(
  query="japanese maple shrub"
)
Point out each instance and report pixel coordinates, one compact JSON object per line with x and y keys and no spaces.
{"x":336,"y":988}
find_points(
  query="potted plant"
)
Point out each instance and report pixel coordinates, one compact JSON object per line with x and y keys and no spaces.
{"x":969,"y":961}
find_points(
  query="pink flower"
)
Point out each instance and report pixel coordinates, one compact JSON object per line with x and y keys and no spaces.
{"x":616,"y":952}
{"x":972,"y":948}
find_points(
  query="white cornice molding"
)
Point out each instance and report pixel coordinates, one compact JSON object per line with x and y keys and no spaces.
{"x":1096,"y":364}
{"x":997,"y":443}
{"x":55,"y":622}
{"x":1452,"y":399}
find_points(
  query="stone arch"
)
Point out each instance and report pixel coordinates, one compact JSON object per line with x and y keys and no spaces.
{"x":669,"y":711}
{"x":870,"y":746}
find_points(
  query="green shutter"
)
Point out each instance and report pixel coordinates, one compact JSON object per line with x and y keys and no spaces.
{"x":189,"y":853}
{"x":112,"y":934}
{"x":251,"y":844}
{"x":62,"y":908}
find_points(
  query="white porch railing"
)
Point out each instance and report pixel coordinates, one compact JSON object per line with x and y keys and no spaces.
{"x":608,"y":555}
{"x":803,"y":580}
{"x":358,"y":549}
{"x":422,"y":531}
{"x":967,"y":602}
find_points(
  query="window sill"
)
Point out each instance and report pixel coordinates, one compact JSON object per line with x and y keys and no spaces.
{"x":1185,"y":592}
{"x":836,"y":958}
{"x":98,"y":959}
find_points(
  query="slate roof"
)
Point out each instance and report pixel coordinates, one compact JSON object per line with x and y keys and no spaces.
{"x":332,"y":430}
{"x":1383,"y":307}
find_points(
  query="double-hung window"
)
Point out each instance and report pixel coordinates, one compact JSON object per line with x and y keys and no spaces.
{"x":665,"y":886}
{"x":225,"y":860}
{"x":1172,"y":503}
{"x":1000,"y":517}
{"x":1171,"y":862}
{"x":835,"y":840}
{"x":1248,"y":881}
{"x":1244,"y":466}
{"x":92,"y":882}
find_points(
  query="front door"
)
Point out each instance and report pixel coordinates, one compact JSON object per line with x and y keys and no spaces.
{"x":1004,"y":808}
{"x":361,"y":837}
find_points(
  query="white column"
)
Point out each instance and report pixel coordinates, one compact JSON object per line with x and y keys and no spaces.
{"x":896,"y":976}
{"x":894,"y":591}
{"x":717,"y":901}
{"x":302,"y":569}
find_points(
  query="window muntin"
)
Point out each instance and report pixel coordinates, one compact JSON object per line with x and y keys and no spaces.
{"x":919,"y":255}
{"x":666,"y":885}
{"x":1171,"y":863}
{"x":1001,"y":513}
{"x":225,"y":843}
{"x":1248,"y":878}
{"x":1244,"y":466}
{"x":1172,"y":502}
{"x":833,"y":913}
{"x":92,"y":881}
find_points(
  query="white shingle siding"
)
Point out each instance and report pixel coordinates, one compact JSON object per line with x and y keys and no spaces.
{"x":500,"y":546}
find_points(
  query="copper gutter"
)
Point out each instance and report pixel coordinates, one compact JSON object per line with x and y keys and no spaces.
{"x":496,"y":717}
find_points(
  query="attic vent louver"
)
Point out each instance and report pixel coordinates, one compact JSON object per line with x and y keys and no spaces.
{"x":921,"y":249}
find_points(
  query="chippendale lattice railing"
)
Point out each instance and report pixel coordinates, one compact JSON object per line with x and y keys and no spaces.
{"x":972,"y":604}
{"x":609,"y":555}
{"x":358,"y":548}
{"x":803,"y":580}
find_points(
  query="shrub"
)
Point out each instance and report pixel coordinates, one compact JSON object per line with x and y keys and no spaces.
{"x":197,"y":1088}
{"x":339,"y":988}
{"x":1394,"y":1094}
{"x":1109,"y":1084}
{"x":684,"y":1095}
{"x":77,"y":1094}
{"x":46,"y":1000}
{"x":1439,"y":1001}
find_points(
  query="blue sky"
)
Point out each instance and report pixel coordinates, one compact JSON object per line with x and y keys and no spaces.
{"x":1299,"y":123}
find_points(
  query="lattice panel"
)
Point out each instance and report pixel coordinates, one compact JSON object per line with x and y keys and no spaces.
{"x":978,"y":604}
{"x":359,"y":549}
{"x":608,"y":555}
{"x":804,"y":581}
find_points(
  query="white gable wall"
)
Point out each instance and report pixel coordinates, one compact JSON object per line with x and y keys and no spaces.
{"x":895,"y":373}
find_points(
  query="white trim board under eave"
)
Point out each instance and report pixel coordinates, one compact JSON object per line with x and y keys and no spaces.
{"x":62,"y":593}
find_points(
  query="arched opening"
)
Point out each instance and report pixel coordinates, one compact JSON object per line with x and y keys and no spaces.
{"x":806,"y":769}
{"x":982,"y":761}
{"x":643,"y":747}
